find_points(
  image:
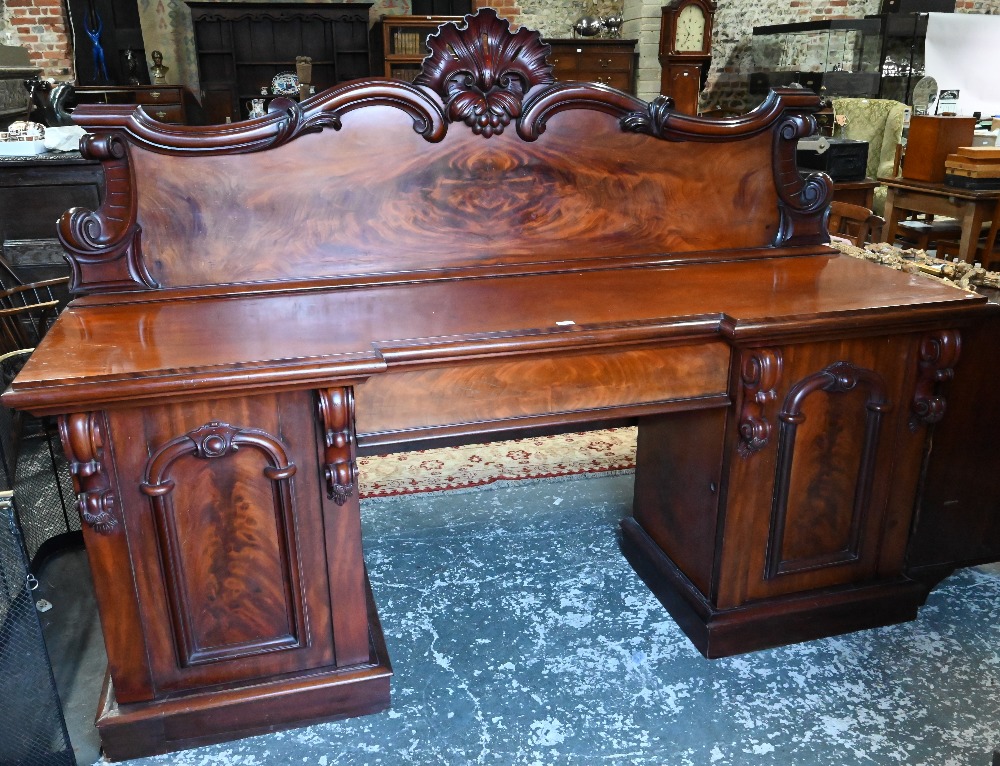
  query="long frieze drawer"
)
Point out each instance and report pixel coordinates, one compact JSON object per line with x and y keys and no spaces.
{"x":532,"y":386}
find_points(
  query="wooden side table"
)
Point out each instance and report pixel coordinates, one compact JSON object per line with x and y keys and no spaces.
{"x":971,"y":208}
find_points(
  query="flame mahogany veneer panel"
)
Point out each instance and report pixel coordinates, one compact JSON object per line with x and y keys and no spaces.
{"x":227,"y":569}
{"x":376,"y":197}
{"x":538,"y":385}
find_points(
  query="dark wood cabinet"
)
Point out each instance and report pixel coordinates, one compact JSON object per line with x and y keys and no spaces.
{"x":608,"y":62}
{"x":166,"y":103}
{"x":399,"y":44}
{"x":241,"y":47}
{"x":34,"y":192}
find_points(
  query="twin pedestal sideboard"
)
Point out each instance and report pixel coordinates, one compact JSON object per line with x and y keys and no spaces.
{"x":482,"y":252}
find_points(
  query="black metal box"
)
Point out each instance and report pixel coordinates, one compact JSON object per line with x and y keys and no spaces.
{"x":841,"y":158}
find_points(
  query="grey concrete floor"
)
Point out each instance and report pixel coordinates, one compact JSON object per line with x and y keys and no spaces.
{"x":73,"y":637}
{"x":520,"y":637}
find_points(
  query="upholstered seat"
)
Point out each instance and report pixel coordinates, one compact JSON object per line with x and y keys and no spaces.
{"x":880,"y":123}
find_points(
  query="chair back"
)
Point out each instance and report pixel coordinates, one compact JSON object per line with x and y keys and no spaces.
{"x":854,"y":222}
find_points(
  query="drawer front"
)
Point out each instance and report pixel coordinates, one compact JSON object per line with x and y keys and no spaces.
{"x":610,"y":61}
{"x":619,"y":80}
{"x":164,"y":95}
{"x":511,"y":389}
{"x":165,"y":112}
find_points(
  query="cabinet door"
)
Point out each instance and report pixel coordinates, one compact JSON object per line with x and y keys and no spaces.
{"x":833,"y":437}
{"x":227,"y":531}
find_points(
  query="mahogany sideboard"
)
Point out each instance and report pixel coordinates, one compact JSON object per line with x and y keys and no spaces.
{"x":481,"y":252}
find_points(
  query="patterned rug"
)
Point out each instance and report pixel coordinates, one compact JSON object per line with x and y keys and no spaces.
{"x":478,"y":465}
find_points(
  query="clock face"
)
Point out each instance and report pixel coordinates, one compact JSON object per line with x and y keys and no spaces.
{"x":690,"y":29}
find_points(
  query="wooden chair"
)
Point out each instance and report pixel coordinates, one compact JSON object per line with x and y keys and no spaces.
{"x":29,"y":455}
{"x":854,"y":222}
{"x":988,"y":247}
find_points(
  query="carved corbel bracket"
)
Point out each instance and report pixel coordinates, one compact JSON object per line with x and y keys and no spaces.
{"x":482,"y":70}
{"x":340,"y":468}
{"x":103,"y":246}
{"x":760,"y":373}
{"x":82,"y":436}
{"x":939,"y":352}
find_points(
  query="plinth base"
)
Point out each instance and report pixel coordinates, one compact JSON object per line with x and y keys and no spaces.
{"x":206,"y":717}
{"x":766,"y":623}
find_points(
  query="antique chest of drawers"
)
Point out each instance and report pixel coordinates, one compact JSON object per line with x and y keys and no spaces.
{"x":608,"y":62}
{"x":165,"y":103}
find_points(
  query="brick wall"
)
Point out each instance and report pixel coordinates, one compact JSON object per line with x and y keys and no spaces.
{"x":39,"y":26}
{"x":731,"y":60}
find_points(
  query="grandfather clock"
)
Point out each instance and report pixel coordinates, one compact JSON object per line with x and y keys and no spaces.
{"x":685,"y":51}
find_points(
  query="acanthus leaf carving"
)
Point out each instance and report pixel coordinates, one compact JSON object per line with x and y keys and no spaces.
{"x":653,"y":120}
{"x":939,"y":353}
{"x":82,"y":437}
{"x":482,"y":70}
{"x":760,"y":373}
{"x":340,"y":468}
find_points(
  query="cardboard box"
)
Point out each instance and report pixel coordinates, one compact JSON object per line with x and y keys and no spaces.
{"x":930,"y":141}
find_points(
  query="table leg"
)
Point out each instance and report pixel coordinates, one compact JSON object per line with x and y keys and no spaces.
{"x":972,"y":222}
{"x":891,"y":218}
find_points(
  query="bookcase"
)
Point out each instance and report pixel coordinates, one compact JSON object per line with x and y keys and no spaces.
{"x":399,"y":43}
{"x":242,"y":46}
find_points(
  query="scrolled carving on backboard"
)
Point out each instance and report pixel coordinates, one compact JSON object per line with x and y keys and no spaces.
{"x":760,"y":373}
{"x":801,"y":197}
{"x":939,"y":352}
{"x":653,"y":120}
{"x":211,"y":441}
{"x":482,"y":70}
{"x":340,"y":468}
{"x":82,"y":437}
{"x":104,"y":244}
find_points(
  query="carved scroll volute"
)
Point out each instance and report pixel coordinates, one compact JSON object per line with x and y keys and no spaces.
{"x":482,"y":70}
{"x":760,"y":373}
{"x":340,"y":468}
{"x":939,"y":352}
{"x":802,"y":198}
{"x":103,"y":246}
{"x":82,"y":436}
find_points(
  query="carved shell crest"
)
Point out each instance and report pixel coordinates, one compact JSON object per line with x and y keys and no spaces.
{"x":482,"y":70}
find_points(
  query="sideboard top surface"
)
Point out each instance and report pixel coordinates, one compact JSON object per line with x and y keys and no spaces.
{"x":118,"y":348}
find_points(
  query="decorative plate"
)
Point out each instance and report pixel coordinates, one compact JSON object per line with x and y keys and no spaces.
{"x":285,"y":84}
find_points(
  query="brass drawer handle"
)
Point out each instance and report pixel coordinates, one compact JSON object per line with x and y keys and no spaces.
{"x":161,"y":115}
{"x":154,"y":94}
{"x":605,"y":63}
